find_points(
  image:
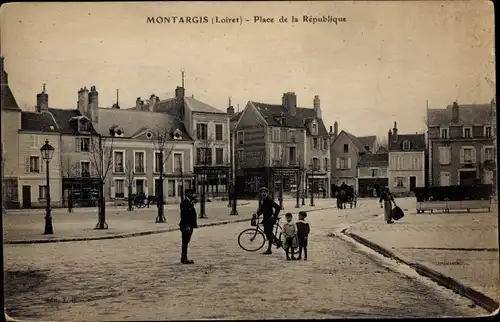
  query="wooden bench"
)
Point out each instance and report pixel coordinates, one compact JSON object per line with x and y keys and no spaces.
{"x":446,"y":206}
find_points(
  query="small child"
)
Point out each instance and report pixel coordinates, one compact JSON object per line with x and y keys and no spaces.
{"x":290,"y":233}
{"x":302,"y":233}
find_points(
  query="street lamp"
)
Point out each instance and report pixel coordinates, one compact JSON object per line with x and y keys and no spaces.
{"x":312,"y":184}
{"x":47,"y":152}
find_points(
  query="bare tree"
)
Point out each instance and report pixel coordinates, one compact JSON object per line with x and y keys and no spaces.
{"x":129,"y":181}
{"x":207,"y":143}
{"x":162,"y":141}
{"x":101,"y":159}
{"x":68,"y":170}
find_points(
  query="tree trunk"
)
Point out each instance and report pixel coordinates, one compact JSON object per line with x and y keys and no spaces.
{"x":101,"y":224}
{"x":130,"y":201}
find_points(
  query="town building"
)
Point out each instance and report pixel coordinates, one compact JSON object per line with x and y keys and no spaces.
{"x":282,"y":147}
{"x":133,"y":139}
{"x":346,"y":150}
{"x":11,"y":123}
{"x":406,"y":161}
{"x":209,"y":127}
{"x":461,"y":144}
{"x":372,"y":173}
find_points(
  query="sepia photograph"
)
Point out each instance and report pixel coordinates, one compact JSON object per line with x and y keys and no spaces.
{"x":171,"y":160}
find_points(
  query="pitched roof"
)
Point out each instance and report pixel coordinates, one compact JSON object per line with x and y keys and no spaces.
{"x":367,"y":140}
{"x":133,"y":122}
{"x":374,"y":159}
{"x":199,"y":106}
{"x":417,"y":142}
{"x":303,"y":116}
{"x":7,"y":100}
{"x":62,"y":118}
{"x":355,"y":141}
{"x":469,"y":114}
{"x":38,"y":122}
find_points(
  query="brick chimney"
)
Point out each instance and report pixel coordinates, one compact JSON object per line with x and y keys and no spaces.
{"x":153,"y":101}
{"x":42,"y":101}
{"x":180,"y":92}
{"x":230,"y":108}
{"x":83,"y":101}
{"x":389,"y":136}
{"x":138,"y":104}
{"x":317,"y":107}
{"x":335,"y":129}
{"x":395,"y":132}
{"x":289,"y":101}
{"x":455,"y":113}
{"x":93,"y":105}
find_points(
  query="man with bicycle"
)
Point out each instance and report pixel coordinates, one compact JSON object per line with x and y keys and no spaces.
{"x":270,"y":211}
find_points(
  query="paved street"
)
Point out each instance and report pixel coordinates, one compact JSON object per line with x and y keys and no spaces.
{"x":460,"y":245}
{"x":28,"y":225}
{"x":141,"y":279}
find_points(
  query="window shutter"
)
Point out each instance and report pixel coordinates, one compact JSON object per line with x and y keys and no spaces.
{"x":27,"y":164}
{"x":348,"y":163}
{"x":77,"y":144}
{"x":473,"y":158}
{"x":145,"y":182}
{"x":78,"y":169}
{"x":337,"y":163}
{"x":448,"y":156}
{"x":483,"y":154}
{"x":113,"y":189}
{"x":462,"y":155}
{"x":42,"y":165}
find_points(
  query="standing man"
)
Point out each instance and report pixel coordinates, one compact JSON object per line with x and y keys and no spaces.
{"x":270,"y":210}
{"x":188,"y":223}
{"x":387,"y":198}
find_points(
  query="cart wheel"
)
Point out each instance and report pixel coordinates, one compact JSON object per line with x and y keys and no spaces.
{"x":432,"y":211}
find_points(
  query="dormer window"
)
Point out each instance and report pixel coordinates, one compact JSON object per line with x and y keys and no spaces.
{"x":444,"y":133}
{"x":177,"y":135}
{"x":149,"y":135}
{"x":467,"y":132}
{"x":283,"y":121}
{"x":406,"y":145}
{"x":116,"y":131}
{"x":314,"y":129}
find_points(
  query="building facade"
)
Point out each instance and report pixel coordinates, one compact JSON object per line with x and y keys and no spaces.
{"x":372,"y":174}
{"x":346,"y":150}
{"x":461,"y":144}
{"x":282,"y":147}
{"x":11,"y":123}
{"x":209,"y":128}
{"x":406,"y":169}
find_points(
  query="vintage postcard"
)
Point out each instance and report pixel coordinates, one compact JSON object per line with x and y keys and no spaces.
{"x":248,"y":160}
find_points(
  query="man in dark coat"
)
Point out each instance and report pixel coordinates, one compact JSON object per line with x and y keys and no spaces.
{"x":270,"y":211}
{"x":188,"y":223}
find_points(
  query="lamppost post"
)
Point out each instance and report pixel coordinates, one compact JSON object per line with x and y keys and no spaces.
{"x":304,"y":185}
{"x":312,"y":185}
{"x":47,"y":152}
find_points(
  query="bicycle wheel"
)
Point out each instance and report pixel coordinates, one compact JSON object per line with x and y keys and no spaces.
{"x":278,"y":232}
{"x":251,"y":239}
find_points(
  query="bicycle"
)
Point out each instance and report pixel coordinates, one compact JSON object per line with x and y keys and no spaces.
{"x":257,"y":238}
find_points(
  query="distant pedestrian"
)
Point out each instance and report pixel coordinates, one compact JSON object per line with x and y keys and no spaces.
{"x":70,"y":202}
{"x":187,"y":223}
{"x":303,"y":230}
{"x":270,"y":211}
{"x":290,"y":234}
{"x":388,"y":199}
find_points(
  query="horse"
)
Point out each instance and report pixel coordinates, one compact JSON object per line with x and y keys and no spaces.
{"x":345,"y":195}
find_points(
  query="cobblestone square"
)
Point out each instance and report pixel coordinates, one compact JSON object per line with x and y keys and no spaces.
{"x":141,"y":278}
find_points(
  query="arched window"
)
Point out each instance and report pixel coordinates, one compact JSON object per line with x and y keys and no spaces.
{"x":406,"y":145}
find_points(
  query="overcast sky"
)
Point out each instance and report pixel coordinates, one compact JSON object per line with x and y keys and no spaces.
{"x":379,"y":66}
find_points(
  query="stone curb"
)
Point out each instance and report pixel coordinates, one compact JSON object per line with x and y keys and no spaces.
{"x":127,"y":235}
{"x":480,"y":299}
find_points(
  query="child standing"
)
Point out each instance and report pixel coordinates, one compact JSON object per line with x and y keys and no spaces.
{"x":290,"y":234}
{"x":302,"y":234}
